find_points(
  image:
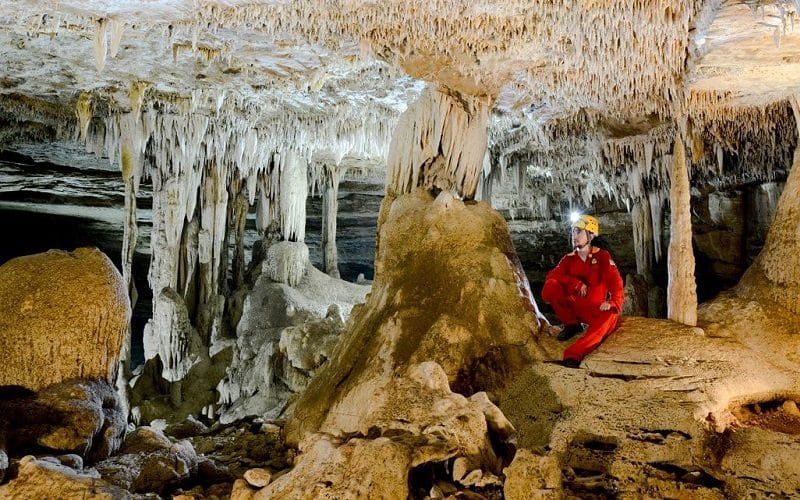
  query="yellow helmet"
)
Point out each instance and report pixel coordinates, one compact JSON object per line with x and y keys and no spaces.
{"x":588,"y":223}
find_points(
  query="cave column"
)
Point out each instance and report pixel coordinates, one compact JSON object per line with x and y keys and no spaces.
{"x":237,"y":223}
{"x":330,"y":208}
{"x":212,"y":248}
{"x":681,"y":288}
{"x":775,"y":274}
{"x":643,"y":237}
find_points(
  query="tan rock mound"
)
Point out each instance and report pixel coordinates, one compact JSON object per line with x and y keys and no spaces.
{"x":63,"y":315}
{"x":447,"y":289}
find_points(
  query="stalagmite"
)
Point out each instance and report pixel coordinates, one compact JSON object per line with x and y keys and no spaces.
{"x":681,"y":289}
{"x":775,"y":274}
{"x":643,"y":237}
{"x":330,"y":208}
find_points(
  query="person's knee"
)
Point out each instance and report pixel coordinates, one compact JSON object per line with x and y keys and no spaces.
{"x":551,"y":291}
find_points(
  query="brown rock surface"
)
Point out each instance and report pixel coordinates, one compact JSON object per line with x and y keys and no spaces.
{"x":63,"y":315}
{"x":651,"y":412}
{"x":446,"y":290}
{"x":78,"y":416}
{"x":44,"y":479}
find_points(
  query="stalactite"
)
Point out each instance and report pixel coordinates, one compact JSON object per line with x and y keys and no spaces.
{"x":236,"y":222}
{"x":681,"y":288}
{"x":330,"y":208}
{"x":643,"y":237}
{"x":439,"y":142}
{"x":116,"y":27}
{"x":84,"y":114}
{"x":176,"y":344}
{"x":100,"y":43}
{"x":213,"y":219}
{"x":656,"y":202}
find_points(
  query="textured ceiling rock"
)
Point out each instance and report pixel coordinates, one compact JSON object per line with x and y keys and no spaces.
{"x":594,"y":87}
{"x":64,"y":315}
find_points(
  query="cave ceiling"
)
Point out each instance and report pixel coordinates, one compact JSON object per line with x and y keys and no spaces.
{"x":577,"y":86}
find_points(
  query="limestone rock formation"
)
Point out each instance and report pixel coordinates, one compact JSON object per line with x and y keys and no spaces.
{"x":682,"y":289}
{"x":42,"y":478}
{"x":776,"y":272}
{"x":386,"y":391}
{"x":64,"y":315}
{"x":655,"y":409}
{"x":149,"y":462}
{"x":84,"y":417}
{"x":413,"y":420}
{"x":445,"y":290}
{"x":285,"y":334}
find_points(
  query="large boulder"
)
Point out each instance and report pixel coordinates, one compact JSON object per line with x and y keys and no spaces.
{"x":46,"y":479}
{"x":77,"y":416}
{"x":63,"y":315}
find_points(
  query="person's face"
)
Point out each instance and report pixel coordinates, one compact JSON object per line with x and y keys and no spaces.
{"x":580,"y":237}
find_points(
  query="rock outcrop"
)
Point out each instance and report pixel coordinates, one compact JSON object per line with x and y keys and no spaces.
{"x":446,"y":290}
{"x":84,"y":417}
{"x":63,"y":315}
{"x":449,"y":306}
{"x":44,"y":478}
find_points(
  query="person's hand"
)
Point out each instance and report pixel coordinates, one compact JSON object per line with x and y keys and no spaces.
{"x":583,"y":291}
{"x":605,"y":306}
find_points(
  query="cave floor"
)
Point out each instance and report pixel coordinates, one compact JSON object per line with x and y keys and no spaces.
{"x":669,"y":410}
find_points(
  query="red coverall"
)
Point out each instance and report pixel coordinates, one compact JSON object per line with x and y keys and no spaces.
{"x":561,"y":291}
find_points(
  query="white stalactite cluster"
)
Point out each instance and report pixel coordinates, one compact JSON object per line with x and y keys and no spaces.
{"x":208,"y":157}
{"x":619,"y":57}
{"x":440,"y":142}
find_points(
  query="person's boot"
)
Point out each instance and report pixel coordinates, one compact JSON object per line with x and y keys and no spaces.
{"x":569,"y":331}
{"x":571,"y":363}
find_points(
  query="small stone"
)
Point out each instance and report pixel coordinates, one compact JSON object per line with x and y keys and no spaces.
{"x":460,"y":468}
{"x":473,"y":478}
{"x":790,"y":407}
{"x":183,"y":497}
{"x":241,"y":490}
{"x":270,"y":428}
{"x":258,"y":477}
{"x":436,"y":492}
{"x":72,"y":461}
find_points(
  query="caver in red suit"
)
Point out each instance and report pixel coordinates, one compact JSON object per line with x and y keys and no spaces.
{"x":562,"y":291}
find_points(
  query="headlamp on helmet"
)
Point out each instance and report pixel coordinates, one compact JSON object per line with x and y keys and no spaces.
{"x":586,"y":222}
